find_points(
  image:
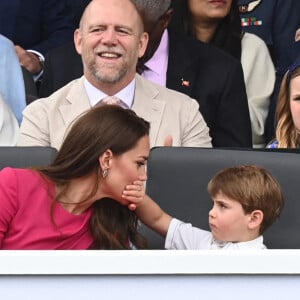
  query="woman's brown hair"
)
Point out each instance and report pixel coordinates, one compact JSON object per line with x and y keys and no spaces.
{"x":105,"y":127}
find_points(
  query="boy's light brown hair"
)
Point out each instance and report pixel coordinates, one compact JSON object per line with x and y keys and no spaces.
{"x":252,"y":186}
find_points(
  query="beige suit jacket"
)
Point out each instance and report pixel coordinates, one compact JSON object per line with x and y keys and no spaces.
{"x":46,"y":120}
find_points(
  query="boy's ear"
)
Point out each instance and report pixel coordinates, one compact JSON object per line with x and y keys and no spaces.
{"x":256,"y":218}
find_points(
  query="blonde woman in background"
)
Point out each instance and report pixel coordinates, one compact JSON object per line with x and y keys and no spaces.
{"x":288,"y":110}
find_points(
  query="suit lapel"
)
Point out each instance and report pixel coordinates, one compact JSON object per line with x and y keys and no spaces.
{"x":181,"y":76}
{"x":76,"y":103}
{"x":148,"y":105}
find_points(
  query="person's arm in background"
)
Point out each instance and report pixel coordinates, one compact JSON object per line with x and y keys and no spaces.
{"x":11,"y":78}
{"x":259,"y":73}
{"x":233,"y":125}
{"x":9,"y":128}
{"x":56,"y":28}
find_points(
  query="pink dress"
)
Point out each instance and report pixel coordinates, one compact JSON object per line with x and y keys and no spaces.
{"x":25,"y":215}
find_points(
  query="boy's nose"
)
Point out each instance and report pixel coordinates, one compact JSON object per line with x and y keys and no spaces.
{"x":211,"y":213}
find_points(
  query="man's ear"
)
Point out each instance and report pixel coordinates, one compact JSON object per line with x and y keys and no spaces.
{"x":77,"y":40}
{"x":105,"y":159}
{"x":143,"y":44}
{"x":256,"y":218}
{"x":166,"y":19}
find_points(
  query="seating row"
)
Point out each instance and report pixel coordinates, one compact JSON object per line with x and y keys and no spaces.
{"x":178,"y":178}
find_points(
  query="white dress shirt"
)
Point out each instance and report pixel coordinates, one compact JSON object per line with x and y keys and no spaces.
{"x":95,"y":95}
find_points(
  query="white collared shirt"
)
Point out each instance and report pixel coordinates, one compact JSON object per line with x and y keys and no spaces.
{"x":183,"y":236}
{"x":95,"y":95}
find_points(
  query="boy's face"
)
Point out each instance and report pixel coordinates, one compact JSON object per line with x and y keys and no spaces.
{"x":228,"y":221}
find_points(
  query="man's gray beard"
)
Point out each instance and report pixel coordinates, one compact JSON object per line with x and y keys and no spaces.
{"x":108,"y":78}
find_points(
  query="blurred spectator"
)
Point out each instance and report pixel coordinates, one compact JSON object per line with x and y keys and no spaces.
{"x":288,"y":110}
{"x":276,"y":22}
{"x":219,"y":25}
{"x":9,"y":128}
{"x":35,"y":26}
{"x":11,"y":78}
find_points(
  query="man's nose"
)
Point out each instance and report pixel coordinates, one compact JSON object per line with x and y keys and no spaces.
{"x":109,"y":36}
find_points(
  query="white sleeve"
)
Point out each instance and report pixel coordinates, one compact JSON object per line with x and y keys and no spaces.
{"x":259,"y":75}
{"x":183,"y":236}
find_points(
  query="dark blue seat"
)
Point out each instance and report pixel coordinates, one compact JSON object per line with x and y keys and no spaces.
{"x":178,"y":178}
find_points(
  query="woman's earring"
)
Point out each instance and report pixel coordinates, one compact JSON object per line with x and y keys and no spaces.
{"x":104,"y":173}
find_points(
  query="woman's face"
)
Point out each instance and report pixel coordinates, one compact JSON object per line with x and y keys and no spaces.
{"x":209,"y":9}
{"x":295,"y":100}
{"x":125,"y":169}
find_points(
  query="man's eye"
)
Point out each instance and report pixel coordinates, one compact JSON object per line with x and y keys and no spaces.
{"x":97,"y":30}
{"x":123,"y":31}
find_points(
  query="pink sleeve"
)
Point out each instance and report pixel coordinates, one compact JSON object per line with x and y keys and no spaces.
{"x":8,"y":199}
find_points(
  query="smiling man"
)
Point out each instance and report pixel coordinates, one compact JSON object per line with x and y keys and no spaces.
{"x":110,"y":39}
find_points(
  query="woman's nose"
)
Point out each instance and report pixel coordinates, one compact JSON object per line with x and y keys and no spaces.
{"x":143,"y":176}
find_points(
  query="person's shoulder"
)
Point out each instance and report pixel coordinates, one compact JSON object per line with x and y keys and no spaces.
{"x":6,"y":44}
{"x":76,"y":84}
{"x":273,"y":144}
{"x":4,"y":108}
{"x":22,"y":173}
{"x":24,"y":179}
{"x":58,"y":97}
{"x":251,"y":39}
{"x":255,"y":52}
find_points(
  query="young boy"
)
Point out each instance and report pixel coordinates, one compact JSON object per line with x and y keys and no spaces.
{"x":246,"y":201}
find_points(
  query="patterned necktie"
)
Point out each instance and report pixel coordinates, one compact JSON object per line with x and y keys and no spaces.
{"x":113,"y":100}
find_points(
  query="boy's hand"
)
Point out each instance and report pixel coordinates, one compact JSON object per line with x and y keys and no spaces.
{"x":134,"y":193}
